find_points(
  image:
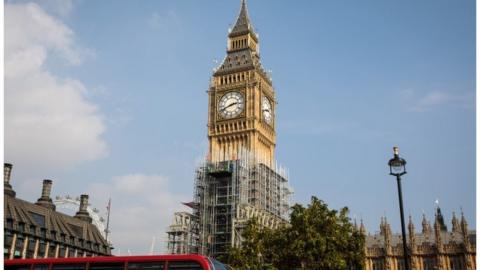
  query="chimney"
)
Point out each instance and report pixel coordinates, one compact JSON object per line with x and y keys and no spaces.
{"x":7,"y":188}
{"x":82,"y":212}
{"x":45,"y":199}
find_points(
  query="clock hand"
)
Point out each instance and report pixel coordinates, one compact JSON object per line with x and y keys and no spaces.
{"x":230,"y":105}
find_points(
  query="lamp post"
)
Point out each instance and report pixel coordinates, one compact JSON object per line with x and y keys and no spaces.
{"x":397,"y":168}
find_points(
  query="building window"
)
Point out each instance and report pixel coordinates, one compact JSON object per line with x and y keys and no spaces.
{"x":429,"y":263}
{"x":31,"y":247}
{"x":400,"y":264}
{"x":51,"y":250}
{"x":456,"y":263}
{"x":21,"y":227}
{"x":32,"y":229}
{"x":71,"y":251}
{"x":377,"y":264}
{"x":39,"y":219}
{"x":61,"y":251}
{"x":9,"y":224}
{"x":17,"y":253}
{"x":41,"y":248}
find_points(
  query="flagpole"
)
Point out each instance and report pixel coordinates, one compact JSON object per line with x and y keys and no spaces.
{"x":108,"y":219}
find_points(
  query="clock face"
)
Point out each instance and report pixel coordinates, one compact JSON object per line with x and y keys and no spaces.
{"x":267,"y":110}
{"x":231,"y":105}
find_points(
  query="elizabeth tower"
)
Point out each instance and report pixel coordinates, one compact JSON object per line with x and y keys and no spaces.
{"x":241,"y":99}
{"x":240,"y":179}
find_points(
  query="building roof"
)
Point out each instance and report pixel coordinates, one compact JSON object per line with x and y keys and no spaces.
{"x":42,"y":221}
{"x":41,"y":217}
{"x":244,"y":58}
{"x":237,"y":61}
{"x":420,"y":238}
{"x":243,"y":24}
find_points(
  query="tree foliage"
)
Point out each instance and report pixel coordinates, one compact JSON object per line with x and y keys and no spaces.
{"x":316,"y":238}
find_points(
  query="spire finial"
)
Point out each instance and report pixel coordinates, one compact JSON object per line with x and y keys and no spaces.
{"x":242,"y":25}
{"x":362,"y":227}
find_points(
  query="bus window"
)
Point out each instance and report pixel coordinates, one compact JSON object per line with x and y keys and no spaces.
{"x":184,"y":265}
{"x":79,"y":266}
{"x":216,"y":265}
{"x":106,"y":266}
{"x":17,"y":267}
{"x":146,"y":266}
{"x":40,"y":267}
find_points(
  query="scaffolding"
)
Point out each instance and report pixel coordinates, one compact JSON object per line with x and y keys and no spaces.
{"x":181,"y":236}
{"x":228,"y":193}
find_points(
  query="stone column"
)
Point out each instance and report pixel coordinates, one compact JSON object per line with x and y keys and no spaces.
{"x":47,"y":247}
{"x":12,"y":247}
{"x":24,"y":249}
{"x":37,"y":245}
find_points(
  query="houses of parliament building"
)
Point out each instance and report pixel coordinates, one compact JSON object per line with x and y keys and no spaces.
{"x":429,"y":249}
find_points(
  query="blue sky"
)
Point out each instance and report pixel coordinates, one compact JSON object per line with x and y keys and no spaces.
{"x":109,"y":98}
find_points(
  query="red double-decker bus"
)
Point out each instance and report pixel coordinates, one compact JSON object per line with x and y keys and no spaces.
{"x":164,"y":262}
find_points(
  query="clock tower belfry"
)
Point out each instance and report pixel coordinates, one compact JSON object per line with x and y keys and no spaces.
{"x":241,"y":99}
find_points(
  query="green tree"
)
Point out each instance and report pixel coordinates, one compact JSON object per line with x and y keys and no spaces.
{"x":316,"y":238}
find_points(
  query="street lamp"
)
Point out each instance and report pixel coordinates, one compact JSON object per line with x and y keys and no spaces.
{"x":397,"y":168}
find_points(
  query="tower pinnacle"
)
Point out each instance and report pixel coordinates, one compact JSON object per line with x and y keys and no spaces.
{"x":243,"y":24}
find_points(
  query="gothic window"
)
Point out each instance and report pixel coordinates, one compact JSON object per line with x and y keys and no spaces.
{"x":428,"y":263}
{"x":377,"y":264}
{"x":456,"y":263}
{"x":400,"y":264}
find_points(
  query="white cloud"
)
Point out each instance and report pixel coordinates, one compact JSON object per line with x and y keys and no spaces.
{"x":435,"y":99}
{"x":48,"y":120}
{"x":142,"y":208}
{"x":62,"y":8}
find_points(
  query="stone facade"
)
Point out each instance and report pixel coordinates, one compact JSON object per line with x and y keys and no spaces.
{"x":37,"y":230}
{"x":252,"y":125}
{"x":431,"y":249}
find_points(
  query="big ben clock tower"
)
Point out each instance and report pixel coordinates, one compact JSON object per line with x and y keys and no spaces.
{"x":241,"y":99}
{"x":240,"y":179}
